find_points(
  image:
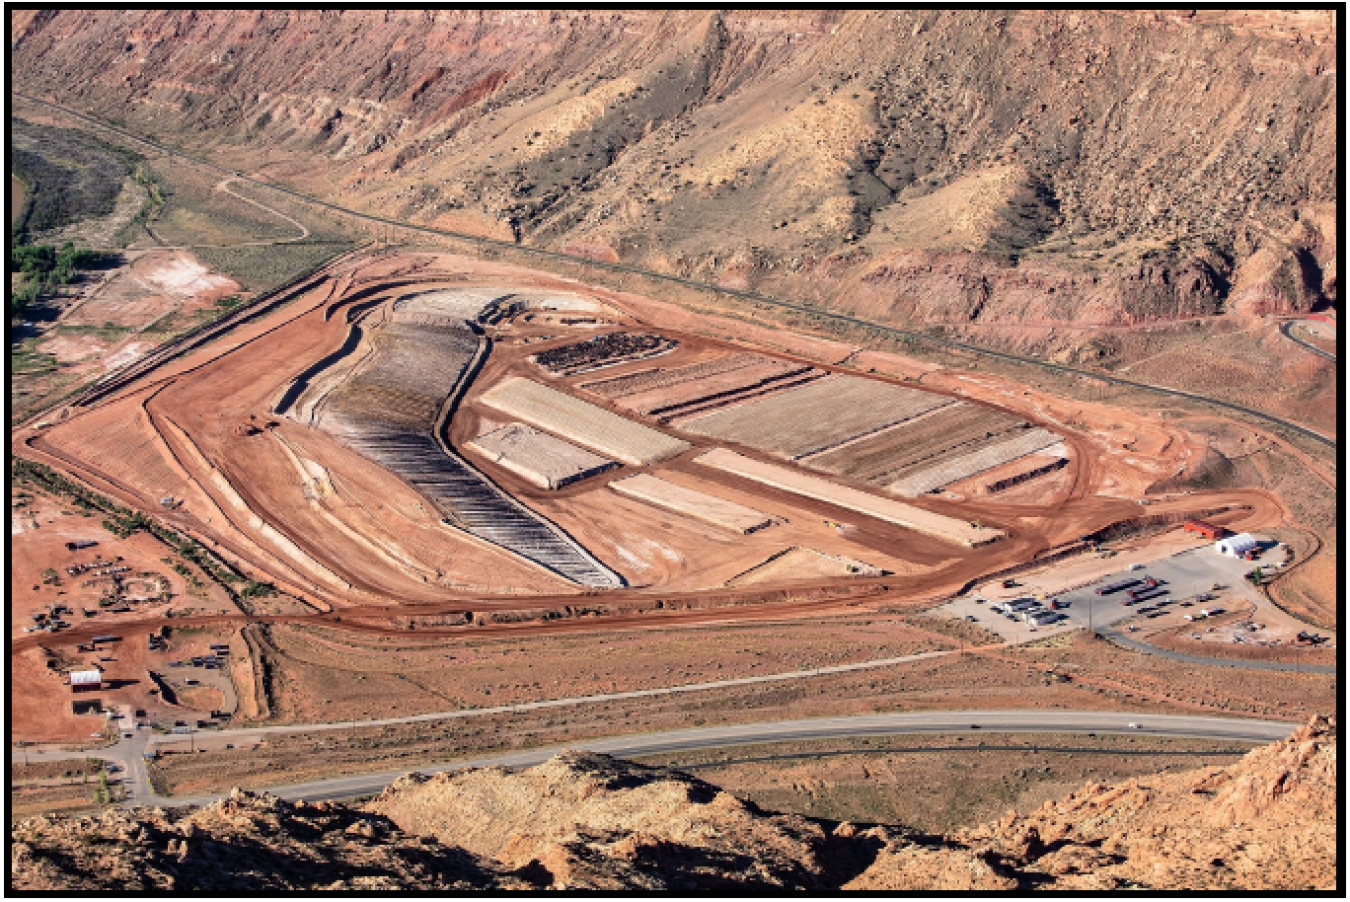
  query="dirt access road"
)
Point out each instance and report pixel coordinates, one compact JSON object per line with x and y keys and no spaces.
{"x":281,"y":342}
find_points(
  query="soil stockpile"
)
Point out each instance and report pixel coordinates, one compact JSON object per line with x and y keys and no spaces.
{"x":946,"y":528}
{"x":691,"y":502}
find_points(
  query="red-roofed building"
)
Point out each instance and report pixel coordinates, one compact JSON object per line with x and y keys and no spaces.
{"x":1200,"y":527}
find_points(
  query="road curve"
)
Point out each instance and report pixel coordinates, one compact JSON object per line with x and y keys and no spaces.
{"x":691,"y":283}
{"x":1286,"y":327}
{"x":1030,"y":721}
{"x":1124,"y":641}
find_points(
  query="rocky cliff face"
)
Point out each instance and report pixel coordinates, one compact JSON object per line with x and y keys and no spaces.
{"x":585,"y":821}
{"x":1064,"y":167}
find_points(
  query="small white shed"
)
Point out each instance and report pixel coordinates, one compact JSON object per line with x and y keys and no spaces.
{"x":1236,"y":546}
{"x":85,"y":680}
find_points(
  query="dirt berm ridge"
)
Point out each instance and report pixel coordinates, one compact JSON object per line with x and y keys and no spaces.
{"x":585,"y":821}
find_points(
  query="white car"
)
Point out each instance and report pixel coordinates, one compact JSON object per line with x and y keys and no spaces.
{"x":1135,"y":726}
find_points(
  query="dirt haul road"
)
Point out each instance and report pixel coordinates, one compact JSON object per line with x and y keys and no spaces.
{"x":208,"y":412}
{"x":759,"y":604}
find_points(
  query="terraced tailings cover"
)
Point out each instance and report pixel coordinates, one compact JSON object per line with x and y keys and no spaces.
{"x":700,"y":505}
{"x":581,"y":422}
{"x":543,"y":459}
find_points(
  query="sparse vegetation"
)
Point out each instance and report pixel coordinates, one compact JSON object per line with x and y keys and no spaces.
{"x":262,"y":268}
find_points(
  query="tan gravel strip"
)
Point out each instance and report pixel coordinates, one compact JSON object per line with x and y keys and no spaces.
{"x":897,"y":512}
{"x":699,"y":505}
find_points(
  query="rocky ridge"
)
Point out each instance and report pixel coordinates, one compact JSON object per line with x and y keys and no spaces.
{"x":1067,"y":167}
{"x":580,"y":820}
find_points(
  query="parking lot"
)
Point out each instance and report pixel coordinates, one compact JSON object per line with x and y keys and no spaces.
{"x":1185,"y":575}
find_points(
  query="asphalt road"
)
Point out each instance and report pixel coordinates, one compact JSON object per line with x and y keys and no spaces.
{"x":1287,"y":326}
{"x":702,"y":286}
{"x":128,"y":751}
{"x":1155,"y":725}
{"x":1124,"y":641}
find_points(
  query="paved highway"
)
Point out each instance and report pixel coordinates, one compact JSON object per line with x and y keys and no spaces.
{"x":129,"y":750}
{"x":691,"y":283}
{"x":1034,"y":721}
{"x":1286,"y":328}
{"x":1125,"y":641}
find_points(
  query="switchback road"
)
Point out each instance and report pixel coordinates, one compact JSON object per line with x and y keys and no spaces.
{"x":692,"y":283}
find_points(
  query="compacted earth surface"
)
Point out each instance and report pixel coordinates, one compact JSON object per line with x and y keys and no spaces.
{"x":297,"y":466}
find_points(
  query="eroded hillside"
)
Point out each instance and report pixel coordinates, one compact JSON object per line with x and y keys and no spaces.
{"x":1063,"y":168}
{"x":583,"y":821}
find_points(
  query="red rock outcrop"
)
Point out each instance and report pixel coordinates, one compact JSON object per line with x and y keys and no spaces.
{"x":1069,"y":167}
{"x":584,"y":821}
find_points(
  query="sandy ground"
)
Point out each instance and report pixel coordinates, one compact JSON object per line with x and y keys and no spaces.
{"x":154,"y":284}
{"x":38,"y":700}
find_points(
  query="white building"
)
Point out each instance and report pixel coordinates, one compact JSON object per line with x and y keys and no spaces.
{"x":1236,"y":546}
{"x":85,"y":680}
